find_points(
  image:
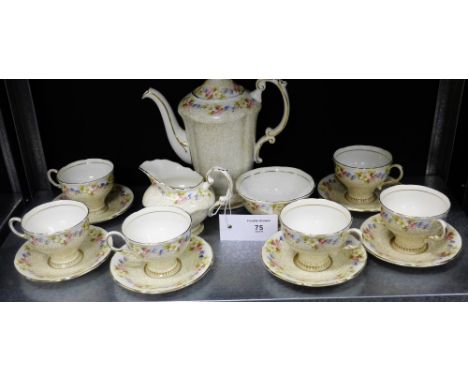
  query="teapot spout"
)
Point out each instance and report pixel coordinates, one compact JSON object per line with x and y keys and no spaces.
{"x":176,"y":135}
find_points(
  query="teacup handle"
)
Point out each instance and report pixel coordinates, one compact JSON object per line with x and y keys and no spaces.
{"x":444,"y":231}
{"x":392,"y":180}
{"x":49,"y":176}
{"x":224,"y":199}
{"x":111,"y":244}
{"x":357,"y":234}
{"x":11,"y":223}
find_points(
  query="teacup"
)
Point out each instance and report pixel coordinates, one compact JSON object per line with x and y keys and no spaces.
{"x":56,"y":229}
{"x":414,"y":215}
{"x":157,"y":236}
{"x":88,"y":181}
{"x":316,"y":229}
{"x":363,"y":169}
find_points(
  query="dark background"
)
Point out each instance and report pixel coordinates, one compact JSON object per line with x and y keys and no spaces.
{"x":458,"y":175}
{"x":107,"y":118}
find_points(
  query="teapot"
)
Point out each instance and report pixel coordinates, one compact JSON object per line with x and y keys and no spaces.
{"x":220,"y":119}
{"x":175,"y":185}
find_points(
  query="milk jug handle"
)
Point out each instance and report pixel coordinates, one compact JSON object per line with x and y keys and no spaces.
{"x":224,"y":199}
{"x":270,"y":133}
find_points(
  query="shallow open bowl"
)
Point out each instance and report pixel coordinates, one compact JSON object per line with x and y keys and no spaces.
{"x":268,"y":190}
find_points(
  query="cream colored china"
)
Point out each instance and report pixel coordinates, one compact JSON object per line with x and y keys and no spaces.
{"x":34,"y":265}
{"x":364,"y":169}
{"x":88,"y":181}
{"x":156,"y":236}
{"x":414,"y":214}
{"x":118,"y":201}
{"x":377,"y":240}
{"x":278,"y":258}
{"x":268,"y":190}
{"x":179,"y":186}
{"x":220,"y":120}
{"x":130,"y":274}
{"x":332,"y":189}
{"x":57,"y":230}
{"x":316,"y":229}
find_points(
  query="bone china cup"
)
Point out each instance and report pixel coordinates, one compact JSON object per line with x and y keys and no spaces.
{"x":88,"y":181}
{"x":156,"y":236}
{"x":56,"y":229}
{"x":363,"y":169}
{"x":414,"y":215}
{"x":316,"y":229}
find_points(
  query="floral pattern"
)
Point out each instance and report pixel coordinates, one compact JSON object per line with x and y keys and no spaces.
{"x":170,"y":248}
{"x":273,"y":249}
{"x":368,"y":230}
{"x":326,"y":187}
{"x":98,"y":236}
{"x":408,"y":224}
{"x":278,"y":258}
{"x":312,"y":242}
{"x":218,"y":109}
{"x":88,"y":188}
{"x":332,"y":189}
{"x":118,"y":201}
{"x":209,"y":93}
{"x":376,"y":238}
{"x":363,"y":175}
{"x":356,"y":257}
{"x":124,"y":197}
{"x":132,"y":278}
{"x":33,"y":264}
{"x":452,"y":246}
{"x":24,"y":261}
{"x":59,"y":239}
{"x":121,"y":266}
{"x":264,"y":207}
{"x":180,"y":197}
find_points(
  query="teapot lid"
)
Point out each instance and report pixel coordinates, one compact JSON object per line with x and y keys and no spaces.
{"x":217,"y":100}
{"x":218,"y":90}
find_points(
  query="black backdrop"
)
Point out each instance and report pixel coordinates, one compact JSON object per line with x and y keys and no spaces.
{"x":107,"y":118}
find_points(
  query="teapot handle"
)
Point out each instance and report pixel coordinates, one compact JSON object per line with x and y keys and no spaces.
{"x":270,"y":133}
{"x":222,"y":200}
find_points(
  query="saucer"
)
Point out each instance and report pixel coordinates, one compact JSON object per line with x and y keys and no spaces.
{"x":34,"y":265}
{"x":278,"y":258}
{"x":130,"y":274}
{"x":376,"y":239}
{"x":118,"y":201}
{"x":331,"y":188}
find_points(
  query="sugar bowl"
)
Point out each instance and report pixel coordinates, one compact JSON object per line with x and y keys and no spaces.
{"x":267,"y":190}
